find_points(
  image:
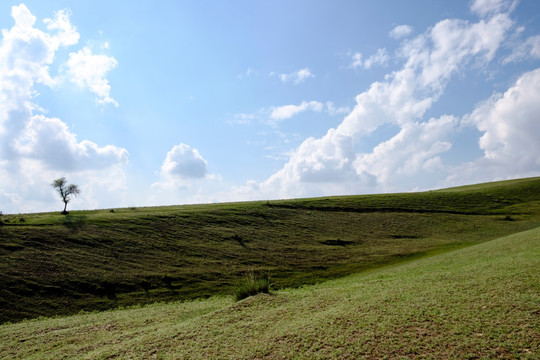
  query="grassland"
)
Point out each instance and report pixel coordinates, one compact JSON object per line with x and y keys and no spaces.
{"x":53,"y":264}
{"x":480,"y":302}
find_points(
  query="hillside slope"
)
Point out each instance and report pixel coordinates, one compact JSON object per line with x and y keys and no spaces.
{"x":477,"y":302}
{"x":94,"y":260}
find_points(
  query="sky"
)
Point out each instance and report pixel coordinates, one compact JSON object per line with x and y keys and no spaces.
{"x":176,"y":102}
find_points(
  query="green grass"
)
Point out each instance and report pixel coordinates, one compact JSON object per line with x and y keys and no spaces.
{"x":480,"y":302}
{"x":252,"y":285}
{"x":96,"y":260}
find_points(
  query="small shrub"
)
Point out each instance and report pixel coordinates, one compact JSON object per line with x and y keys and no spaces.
{"x":252,"y":286}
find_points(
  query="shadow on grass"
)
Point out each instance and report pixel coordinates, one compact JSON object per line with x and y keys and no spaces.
{"x":74,"y":222}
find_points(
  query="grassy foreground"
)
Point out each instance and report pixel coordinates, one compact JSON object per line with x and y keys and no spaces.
{"x":53,"y":264}
{"x":478,"y":302}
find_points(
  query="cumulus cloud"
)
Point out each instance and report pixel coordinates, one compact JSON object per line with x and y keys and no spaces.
{"x":50,"y":141}
{"x":333,"y":163}
{"x":297,"y":77}
{"x":88,"y":71}
{"x":35,"y":148}
{"x":25,"y":56}
{"x":183,"y":171}
{"x":510,"y":126}
{"x":66,"y":33}
{"x":400,"y":31}
{"x":433,"y":57}
{"x":185,"y":162}
{"x":414,"y":149}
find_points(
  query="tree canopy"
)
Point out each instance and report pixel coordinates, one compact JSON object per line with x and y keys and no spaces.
{"x":65,"y":191}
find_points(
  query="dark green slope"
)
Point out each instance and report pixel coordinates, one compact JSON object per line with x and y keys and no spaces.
{"x":54,"y":264}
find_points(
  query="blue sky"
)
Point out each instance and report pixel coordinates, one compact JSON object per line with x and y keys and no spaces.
{"x":207,"y":101}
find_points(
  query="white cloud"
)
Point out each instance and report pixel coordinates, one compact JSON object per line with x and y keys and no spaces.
{"x":66,"y":33}
{"x":485,"y":8}
{"x":34,"y":149}
{"x":451,"y":44}
{"x":296,"y":77}
{"x":380,"y":58}
{"x":25,"y":55}
{"x":50,"y":141}
{"x":288,"y":111}
{"x":275,"y":114}
{"x":184,"y":178}
{"x":184,"y":162}
{"x":88,"y":71}
{"x":334,"y":110}
{"x":400,"y":31}
{"x":413,"y":158}
{"x":332,"y":164}
{"x":524,"y":50}
{"x":414,"y":149}
{"x":356,"y":60}
{"x":510,"y":126}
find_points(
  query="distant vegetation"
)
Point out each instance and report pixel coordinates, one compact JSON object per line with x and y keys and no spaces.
{"x":54,"y":264}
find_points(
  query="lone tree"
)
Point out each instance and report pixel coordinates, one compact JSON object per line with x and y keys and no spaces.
{"x":65,"y":191}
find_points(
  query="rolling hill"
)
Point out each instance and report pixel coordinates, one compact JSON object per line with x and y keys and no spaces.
{"x":53,"y":264}
{"x":479,"y":302}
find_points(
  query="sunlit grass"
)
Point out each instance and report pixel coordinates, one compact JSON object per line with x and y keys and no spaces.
{"x":477,"y":302}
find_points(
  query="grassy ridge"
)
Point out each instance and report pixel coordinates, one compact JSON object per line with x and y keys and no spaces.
{"x":94,"y":260}
{"x":477,"y":302}
{"x":500,"y":197}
